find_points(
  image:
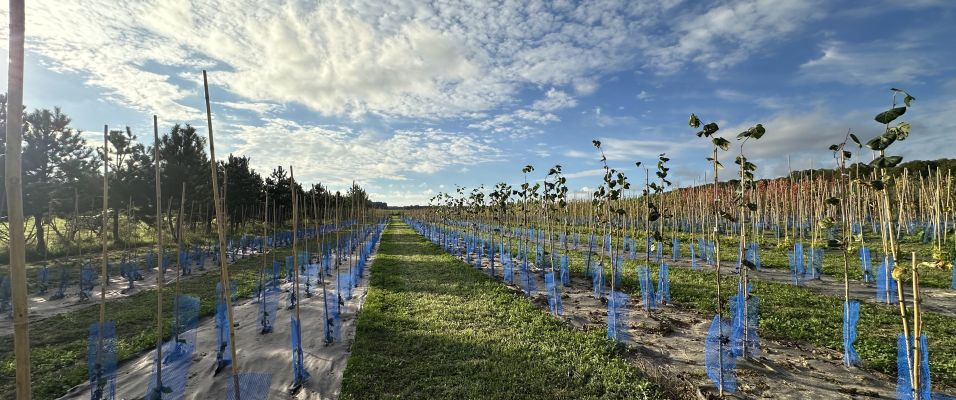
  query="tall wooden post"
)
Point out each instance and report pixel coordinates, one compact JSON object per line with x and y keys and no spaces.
{"x":14,"y":186}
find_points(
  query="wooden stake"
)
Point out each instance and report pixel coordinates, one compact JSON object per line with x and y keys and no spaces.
{"x":220,"y":218}
{"x":14,"y":186}
{"x":159,"y":255}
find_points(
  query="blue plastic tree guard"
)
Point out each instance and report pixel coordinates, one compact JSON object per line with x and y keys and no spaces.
{"x":300,"y":375}
{"x":87,"y":279}
{"x":885,"y":284}
{"x":753,"y":255}
{"x":554,"y":294}
{"x":814,"y":263}
{"x":528,"y":283}
{"x":597,"y":280}
{"x":663,"y":285}
{"x":797,"y":271}
{"x":675,"y":249}
{"x":252,"y":386}
{"x":565,"y":271}
{"x":745,"y":319}
{"x":904,"y":384}
{"x":43,"y":280}
{"x":343,"y":285}
{"x":851,"y":315}
{"x":223,"y":351}
{"x":268,"y":309}
{"x":333,"y":320}
{"x":177,"y":352}
{"x":61,"y":288}
{"x":101,"y":361}
{"x":617,"y":315}
{"x":718,"y":356}
{"x":954,"y":274}
{"x":866,"y":264}
{"x":507,"y":268}
{"x":647,"y":287}
{"x":693,"y":257}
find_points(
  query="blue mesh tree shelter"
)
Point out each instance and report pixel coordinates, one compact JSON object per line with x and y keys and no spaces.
{"x":753,"y":255}
{"x":275,"y":274}
{"x":333,"y":320}
{"x":252,"y":386}
{"x":289,"y":268}
{"x":647,"y":287}
{"x":617,"y":315}
{"x":719,"y":360}
{"x":565,"y":270}
{"x":953,"y":284}
{"x":177,"y":352}
{"x":223,"y":350}
{"x":507,"y":267}
{"x":87,"y":279}
{"x":885,"y":284}
{"x":866,"y":264}
{"x":61,"y":287}
{"x":528,"y":283}
{"x":597,"y":280}
{"x":663,"y":285}
{"x":693,"y":257}
{"x":851,"y":315}
{"x":268,"y":309}
{"x":675,"y":249}
{"x":797,"y":271}
{"x":904,"y":383}
{"x":150,"y":260}
{"x":745,"y":319}
{"x":43,"y":280}
{"x":343,"y":285}
{"x":554,"y":294}
{"x":815,"y":263}
{"x":299,"y":374}
{"x":101,"y":361}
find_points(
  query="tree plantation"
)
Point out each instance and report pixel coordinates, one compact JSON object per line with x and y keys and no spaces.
{"x":567,"y":200}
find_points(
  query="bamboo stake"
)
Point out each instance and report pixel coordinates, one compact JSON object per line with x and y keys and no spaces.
{"x":220,"y":218}
{"x":14,"y":188}
{"x":159,"y":254}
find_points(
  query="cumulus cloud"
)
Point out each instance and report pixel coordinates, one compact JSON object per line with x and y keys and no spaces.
{"x":338,"y":155}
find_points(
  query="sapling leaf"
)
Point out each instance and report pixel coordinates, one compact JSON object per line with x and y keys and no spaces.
{"x":596,"y":143}
{"x":724,"y":144}
{"x":888,"y":116}
{"x":908,"y":99}
{"x":856,"y":140}
{"x":901,"y":130}
{"x":708,"y":130}
{"x":834,"y":147}
{"x":694,"y":122}
{"x":886,"y":162}
{"x":847,"y":154}
{"x":882,"y":142}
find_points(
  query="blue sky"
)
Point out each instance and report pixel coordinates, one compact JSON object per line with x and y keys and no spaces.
{"x":409,"y":98}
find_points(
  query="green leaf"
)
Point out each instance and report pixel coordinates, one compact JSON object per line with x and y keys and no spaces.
{"x":724,"y":144}
{"x":856,"y":140}
{"x":882,"y":142}
{"x":708,"y":130}
{"x":755,"y":132}
{"x":888,"y":116}
{"x":908,"y":99}
{"x":694,"y":122}
{"x":901,"y":130}
{"x":886,"y":162}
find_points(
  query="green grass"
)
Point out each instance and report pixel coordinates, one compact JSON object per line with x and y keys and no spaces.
{"x":434,"y":328}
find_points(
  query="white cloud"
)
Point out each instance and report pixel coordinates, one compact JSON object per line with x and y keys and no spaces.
{"x":643,"y":95}
{"x":258,"y":108}
{"x":729,"y":33}
{"x":883,"y":62}
{"x":554,"y":100}
{"x":338,"y":155}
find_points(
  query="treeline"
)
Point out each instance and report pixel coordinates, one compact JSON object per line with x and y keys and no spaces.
{"x":63,"y":178}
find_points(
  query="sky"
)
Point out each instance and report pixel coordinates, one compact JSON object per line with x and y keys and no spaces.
{"x":411,"y":98}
